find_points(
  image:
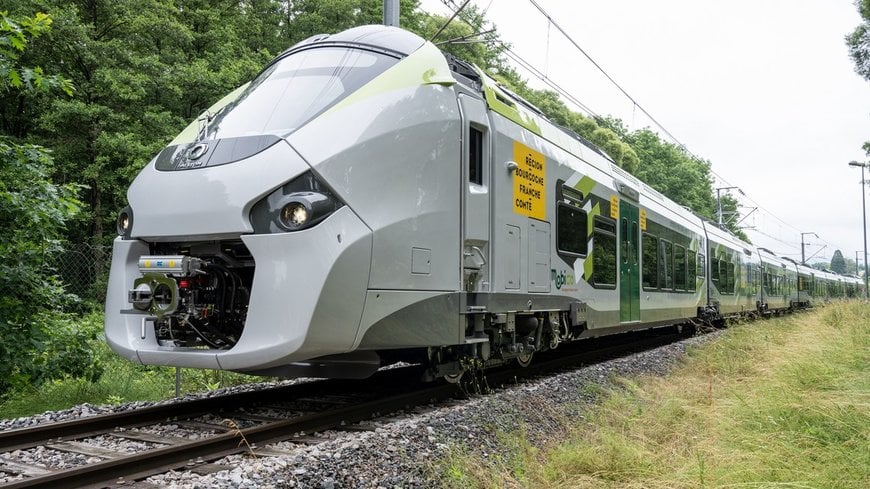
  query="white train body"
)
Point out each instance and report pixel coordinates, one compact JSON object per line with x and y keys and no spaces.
{"x":367,"y":199}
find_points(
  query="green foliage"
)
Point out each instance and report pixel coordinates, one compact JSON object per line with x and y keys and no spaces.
{"x":838,"y":263}
{"x":39,"y":341}
{"x":104,"y":378}
{"x":15,"y":33}
{"x":858,"y":41}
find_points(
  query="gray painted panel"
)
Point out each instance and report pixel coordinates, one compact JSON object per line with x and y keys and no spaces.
{"x":510,"y":257}
{"x":399,"y":319}
{"x":539,"y":256}
{"x":305,"y":301}
{"x":393,"y":158}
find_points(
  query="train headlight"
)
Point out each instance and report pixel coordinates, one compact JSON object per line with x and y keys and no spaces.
{"x":294,"y":215}
{"x":124,"y":223}
{"x":299,"y":204}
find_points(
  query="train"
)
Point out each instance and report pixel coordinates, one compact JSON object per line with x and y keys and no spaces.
{"x":368,"y":199}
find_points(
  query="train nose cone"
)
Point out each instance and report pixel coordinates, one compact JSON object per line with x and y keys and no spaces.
{"x":210,"y":202}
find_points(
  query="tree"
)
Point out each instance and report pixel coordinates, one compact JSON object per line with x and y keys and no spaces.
{"x":33,"y":214}
{"x":858,"y":41}
{"x":838,"y":263}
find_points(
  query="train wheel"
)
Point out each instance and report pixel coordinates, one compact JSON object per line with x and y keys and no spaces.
{"x":454,"y":378}
{"x":524,"y":359}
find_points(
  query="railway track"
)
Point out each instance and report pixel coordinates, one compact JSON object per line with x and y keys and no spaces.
{"x":249,"y":422}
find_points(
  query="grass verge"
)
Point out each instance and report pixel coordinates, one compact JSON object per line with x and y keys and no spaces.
{"x":782,"y":403}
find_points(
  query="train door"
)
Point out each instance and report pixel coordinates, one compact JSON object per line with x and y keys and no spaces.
{"x":629,"y":268}
{"x":476,"y":141}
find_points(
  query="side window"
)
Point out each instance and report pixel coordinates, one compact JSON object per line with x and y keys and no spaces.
{"x":728,"y":273}
{"x":701,"y":264}
{"x":650,"y":261}
{"x":692,"y":270}
{"x":679,"y":268}
{"x":714,"y":272}
{"x":571,"y":229}
{"x":623,"y":237}
{"x":750,"y":278}
{"x":604,"y":253}
{"x":475,"y":155}
{"x":668,"y":264}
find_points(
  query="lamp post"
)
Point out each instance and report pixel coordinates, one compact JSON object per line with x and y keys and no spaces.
{"x":804,"y":260}
{"x":864,"y":230}
{"x":719,"y":203}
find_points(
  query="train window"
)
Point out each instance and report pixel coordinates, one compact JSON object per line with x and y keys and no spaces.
{"x":571,"y":229}
{"x":650,"y":247}
{"x":750,"y":278}
{"x":714,"y":270}
{"x":727,"y":273}
{"x":634,"y":242}
{"x":692,"y":270}
{"x":623,"y":237}
{"x":297,"y":88}
{"x":668,"y":264}
{"x":475,"y":155}
{"x":679,"y":267}
{"x":604,"y":253}
{"x":701,"y":264}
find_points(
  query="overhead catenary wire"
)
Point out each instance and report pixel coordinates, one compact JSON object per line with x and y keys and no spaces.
{"x":510,"y":53}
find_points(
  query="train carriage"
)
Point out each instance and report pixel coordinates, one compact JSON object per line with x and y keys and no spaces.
{"x":730,"y":262}
{"x":776,"y":282}
{"x":368,"y":199}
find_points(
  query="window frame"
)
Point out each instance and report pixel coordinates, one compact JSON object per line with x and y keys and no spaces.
{"x":610,"y":233}
{"x":584,"y":238}
{"x":691,"y":270}
{"x":667,"y":265}
{"x":476,"y":141}
{"x":643,"y":270}
{"x":677,"y":249}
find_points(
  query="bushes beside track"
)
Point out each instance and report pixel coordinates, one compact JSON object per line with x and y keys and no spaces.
{"x":106,"y":378}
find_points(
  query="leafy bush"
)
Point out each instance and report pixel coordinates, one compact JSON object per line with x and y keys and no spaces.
{"x":38,"y":341}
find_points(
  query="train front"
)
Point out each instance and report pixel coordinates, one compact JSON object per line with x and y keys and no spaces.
{"x":236,"y":252}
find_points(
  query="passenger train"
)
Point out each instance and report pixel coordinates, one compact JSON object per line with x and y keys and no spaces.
{"x":368,"y":199}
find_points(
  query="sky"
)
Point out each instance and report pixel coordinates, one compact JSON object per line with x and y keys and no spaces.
{"x":764,"y":90}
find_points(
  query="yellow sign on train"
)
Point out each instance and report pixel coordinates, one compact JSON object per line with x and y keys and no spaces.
{"x":530,"y":182}
{"x":614,"y":207}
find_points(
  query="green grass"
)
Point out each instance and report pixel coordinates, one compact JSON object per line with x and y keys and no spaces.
{"x":121,"y":381}
{"x":780,"y":403}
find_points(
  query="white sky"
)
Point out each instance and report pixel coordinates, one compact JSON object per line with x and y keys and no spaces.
{"x":764,"y":89}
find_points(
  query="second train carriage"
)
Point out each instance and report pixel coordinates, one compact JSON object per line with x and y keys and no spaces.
{"x":368,"y":199}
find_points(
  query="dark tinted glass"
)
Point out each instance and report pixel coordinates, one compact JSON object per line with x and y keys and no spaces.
{"x":572,"y":229}
{"x":604,"y":255}
{"x":679,"y":267}
{"x":692,"y":270}
{"x":650,"y":246}
{"x":295,"y":89}
{"x":475,"y":156}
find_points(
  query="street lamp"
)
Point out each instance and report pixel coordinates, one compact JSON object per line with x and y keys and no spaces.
{"x":864,"y":231}
{"x":719,"y":202}
{"x":804,"y":260}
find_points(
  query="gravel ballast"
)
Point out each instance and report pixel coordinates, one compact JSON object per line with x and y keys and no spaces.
{"x":401,"y":450}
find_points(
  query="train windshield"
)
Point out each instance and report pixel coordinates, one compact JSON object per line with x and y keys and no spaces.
{"x":296,"y":89}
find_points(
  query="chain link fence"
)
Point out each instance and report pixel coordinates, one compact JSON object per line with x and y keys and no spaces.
{"x":84,"y":270}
